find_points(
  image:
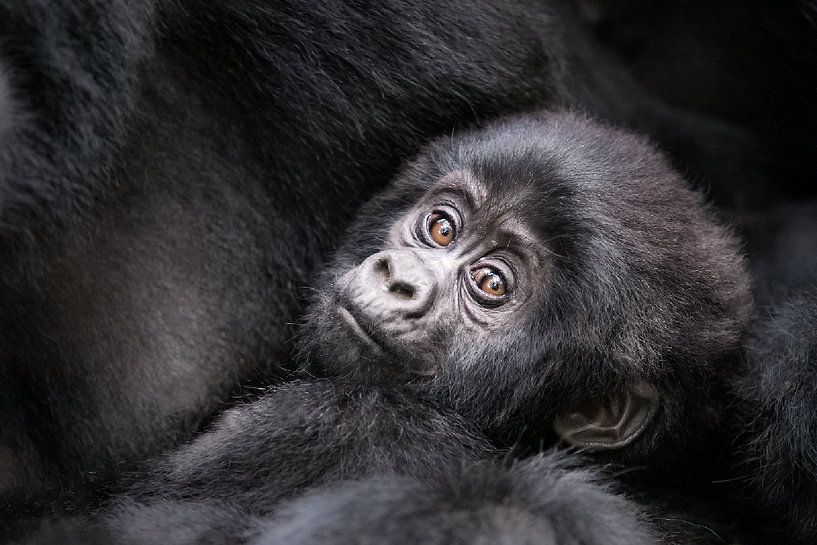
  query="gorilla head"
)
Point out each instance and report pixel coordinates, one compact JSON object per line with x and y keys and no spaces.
{"x":545,"y":271}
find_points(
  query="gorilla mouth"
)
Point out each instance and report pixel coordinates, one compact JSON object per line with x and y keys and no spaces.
{"x":358,"y":330}
{"x":380,"y":350}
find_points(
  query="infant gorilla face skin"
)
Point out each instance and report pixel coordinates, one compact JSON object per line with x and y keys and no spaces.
{"x":543,"y":266}
{"x":460,"y":264}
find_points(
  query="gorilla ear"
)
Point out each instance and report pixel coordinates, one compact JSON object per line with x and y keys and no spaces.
{"x":612,"y":424}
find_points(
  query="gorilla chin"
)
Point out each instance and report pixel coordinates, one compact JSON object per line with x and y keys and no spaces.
{"x":359,"y":350}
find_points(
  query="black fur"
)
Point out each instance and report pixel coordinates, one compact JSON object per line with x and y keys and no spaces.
{"x":7,"y":110}
{"x":174,"y":171}
{"x":597,"y":196}
{"x":778,"y":427}
{"x":302,"y":435}
{"x":296,"y":437}
{"x":539,"y":501}
{"x":642,"y":283}
{"x":545,"y":499}
{"x":775,"y":432}
{"x":173,"y":176}
{"x":72,"y":77}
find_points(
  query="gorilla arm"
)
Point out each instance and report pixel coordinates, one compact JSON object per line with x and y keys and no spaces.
{"x":376,"y":466}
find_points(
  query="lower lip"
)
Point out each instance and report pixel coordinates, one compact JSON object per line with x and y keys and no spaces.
{"x":347,"y":317}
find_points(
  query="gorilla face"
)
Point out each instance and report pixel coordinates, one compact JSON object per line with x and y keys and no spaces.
{"x":460,"y":264}
{"x":543,"y":266}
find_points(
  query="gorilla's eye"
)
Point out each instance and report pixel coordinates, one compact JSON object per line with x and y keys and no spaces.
{"x":441,"y":228}
{"x":490,"y":281}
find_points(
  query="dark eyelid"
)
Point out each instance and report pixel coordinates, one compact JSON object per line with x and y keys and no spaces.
{"x":507,"y":271}
{"x":459,"y":194}
{"x":451,"y":211}
{"x":507,"y":260}
{"x":422,"y":227}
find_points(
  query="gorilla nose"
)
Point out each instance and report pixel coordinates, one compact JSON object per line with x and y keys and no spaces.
{"x":404,"y":277}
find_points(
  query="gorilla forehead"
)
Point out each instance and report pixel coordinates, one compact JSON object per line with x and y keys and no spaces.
{"x":562,"y":171}
{"x":537,"y":148}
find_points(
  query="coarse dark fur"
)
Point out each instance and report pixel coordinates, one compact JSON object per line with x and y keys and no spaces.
{"x":776,"y":426}
{"x":171,"y":173}
{"x":171,"y":178}
{"x":297,"y":436}
{"x":640,"y":283}
{"x":623,"y":233}
{"x":755,"y":66}
{"x":777,"y":394}
{"x":7,"y":113}
{"x":539,"y":501}
{"x":543,"y":500}
{"x":465,"y":499}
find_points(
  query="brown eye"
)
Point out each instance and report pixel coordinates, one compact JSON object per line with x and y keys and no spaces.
{"x":489,"y":281}
{"x":441,"y":229}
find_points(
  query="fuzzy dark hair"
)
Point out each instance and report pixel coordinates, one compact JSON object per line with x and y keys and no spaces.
{"x":645,"y":283}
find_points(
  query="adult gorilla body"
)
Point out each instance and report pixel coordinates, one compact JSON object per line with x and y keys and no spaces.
{"x":164,"y":197}
{"x":170,"y":173}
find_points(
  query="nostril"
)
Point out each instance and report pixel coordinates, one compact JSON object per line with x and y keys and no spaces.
{"x":382,"y":268}
{"x":402,"y":290}
{"x":403,"y":280}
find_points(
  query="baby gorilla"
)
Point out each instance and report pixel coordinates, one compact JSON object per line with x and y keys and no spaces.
{"x":544,"y":272}
{"x":546,"y":275}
